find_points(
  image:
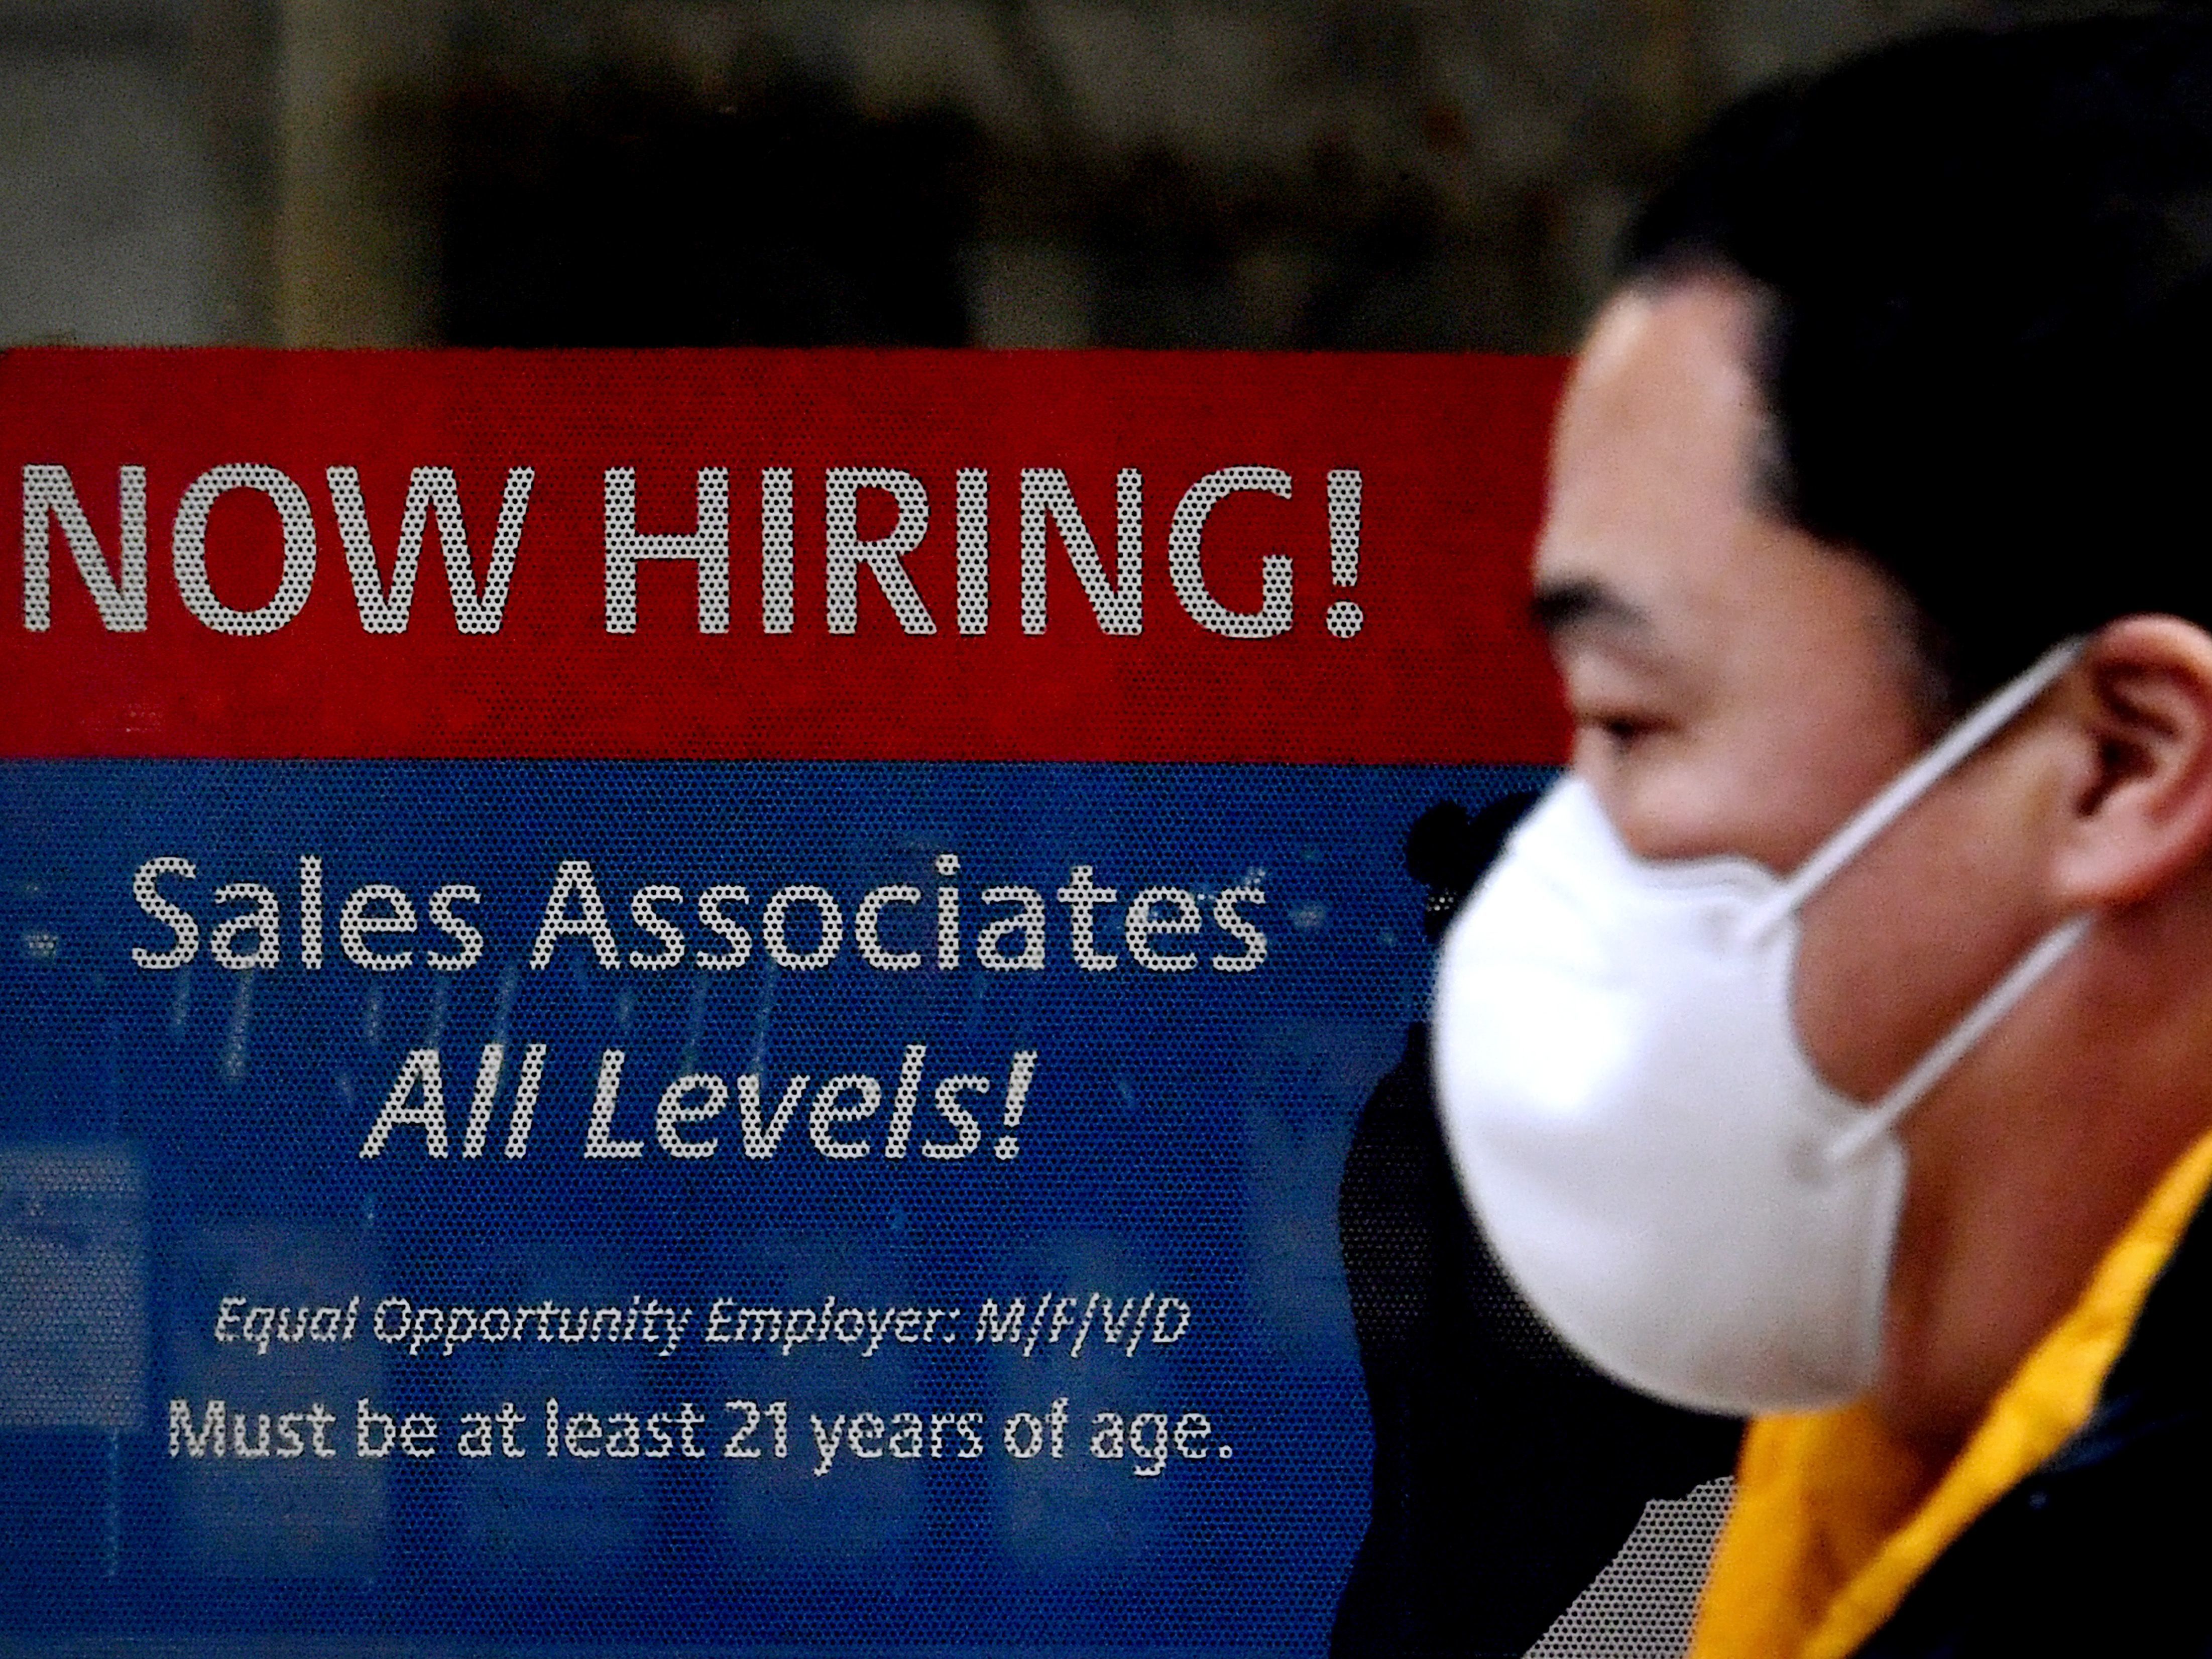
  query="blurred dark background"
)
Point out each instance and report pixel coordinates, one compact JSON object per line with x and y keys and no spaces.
{"x":1268,"y":174}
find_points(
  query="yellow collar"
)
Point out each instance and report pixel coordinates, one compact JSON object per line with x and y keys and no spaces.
{"x":1829,"y":1527}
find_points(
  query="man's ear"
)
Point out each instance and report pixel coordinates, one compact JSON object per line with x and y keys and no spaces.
{"x":2140,"y":813}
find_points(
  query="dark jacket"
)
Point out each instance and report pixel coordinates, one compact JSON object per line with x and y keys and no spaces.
{"x":2107,"y":1547}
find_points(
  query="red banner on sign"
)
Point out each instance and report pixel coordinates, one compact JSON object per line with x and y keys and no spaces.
{"x":776,"y":554}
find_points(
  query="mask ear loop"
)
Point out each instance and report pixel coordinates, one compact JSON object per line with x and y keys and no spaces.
{"x":2050,"y":950}
{"x":1877,"y":815}
{"x":1901,"y":792}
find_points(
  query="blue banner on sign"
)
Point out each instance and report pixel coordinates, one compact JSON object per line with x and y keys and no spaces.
{"x":661,"y":1203}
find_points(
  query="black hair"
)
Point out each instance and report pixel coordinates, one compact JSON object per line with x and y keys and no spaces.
{"x":1985,"y":260}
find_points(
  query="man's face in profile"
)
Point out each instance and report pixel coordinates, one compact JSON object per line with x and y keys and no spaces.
{"x":1739,"y":687}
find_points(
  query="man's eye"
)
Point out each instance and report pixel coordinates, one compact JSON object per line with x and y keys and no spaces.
{"x":1622,"y":730}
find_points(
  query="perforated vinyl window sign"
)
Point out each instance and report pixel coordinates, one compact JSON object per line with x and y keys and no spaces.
{"x":771,"y":1000}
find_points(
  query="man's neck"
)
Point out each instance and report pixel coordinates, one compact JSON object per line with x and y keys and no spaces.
{"x":2027,"y":1166}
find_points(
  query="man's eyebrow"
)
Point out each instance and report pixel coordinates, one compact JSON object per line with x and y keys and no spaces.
{"x":1559,"y":606}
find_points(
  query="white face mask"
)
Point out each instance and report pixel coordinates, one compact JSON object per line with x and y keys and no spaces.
{"x":1653,"y":1158}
